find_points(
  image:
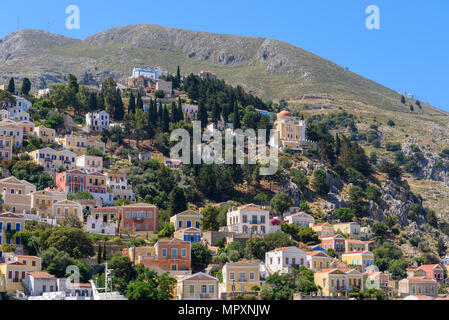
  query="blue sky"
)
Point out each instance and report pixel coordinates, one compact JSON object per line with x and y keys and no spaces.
{"x":409,"y":52}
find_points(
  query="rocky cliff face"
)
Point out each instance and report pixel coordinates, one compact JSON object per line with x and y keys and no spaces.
{"x":431,"y":165}
{"x":395,"y":199}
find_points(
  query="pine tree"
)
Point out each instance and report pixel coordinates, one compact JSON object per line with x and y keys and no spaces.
{"x":411,"y":108}
{"x":11,"y":86}
{"x":178,"y":202}
{"x":26,"y":86}
{"x":402,"y":99}
{"x":236,"y":122}
{"x":139,"y":104}
{"x":132,"y":104}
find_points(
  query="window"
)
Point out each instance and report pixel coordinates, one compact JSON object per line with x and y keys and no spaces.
{"x":211,"y":288}
{"x":231,"y":275}
{"x":164,"y":252}
{"x":174,"y":252}
{"x":191,"y":289}
{"x":203,"y":288}
{"x":252,"y":276}
{"x":184,"y":252}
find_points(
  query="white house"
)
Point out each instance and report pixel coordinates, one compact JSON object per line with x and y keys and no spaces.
{"x":21,"y":105}
{"x":98,"y":121}
{"x":283,"y":260}
{"x":248,"y":219}
{"x":38,"y":283}
{"x":103,"y":221}
{"x":300,"y":219}
{"x":149,"y":73}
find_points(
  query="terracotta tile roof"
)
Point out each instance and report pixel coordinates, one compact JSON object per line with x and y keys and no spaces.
{"x":357,"y":252}
{"x":282,"y":249}
{"x":41,"y":275}
{"x":420,"y":279}
{"x":81,"y":285}
{"x":428,"y":267}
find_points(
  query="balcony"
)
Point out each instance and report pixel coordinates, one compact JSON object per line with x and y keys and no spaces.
{"x":48,"y":160}
{"x":242,"y":280}
{"x":206,"y":295}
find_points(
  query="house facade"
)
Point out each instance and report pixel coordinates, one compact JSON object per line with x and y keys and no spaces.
{"x":98,"y":121}
{"x":300,"y":219}
{"x":47,"y":135}
{"x":419,"y":286}
{"x":334,"y":241}
{"x":89,"y":163}
{"x":351,"y":228}
{"x":240,"y":277}
{"x":283,"y":260}
{"x":65,"y":208}
{"x":318,"y":260}
{"x":363,"y":259}
{"x":248,"y":219}
{"x":10,"y":222}
{"x":291,"y":133}
{"x":198,"y":286}
{"x":138,"y":217}
{"x":17,"y":194}
{"x":187,"y":219}
{"x":103,"y":220}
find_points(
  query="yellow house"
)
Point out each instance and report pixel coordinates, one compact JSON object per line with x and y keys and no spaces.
{"x":358,"y":258}
{"x":4,"y":114}
{"x":12,"y":276}
{"x":134,"y":253}
{"x":6,"y":143}
{"x":51,"y":159}
{"x":351,"y":228}
{"x":47,"y":135}
{"x":97,"y":144}
{"x":158,"y":156}
{"x":352,"y":245}
{"x":291,"y":132}
{"x":323,"y":229}
{"x":17,"y":194}
{"x":11,"y":128}
{"x":318,"y":260}
{"x":198,"y":286}
{"x":10,"y":222}
{"x":89,"y":163}
{"x":240,"y":277}
{"x":27,"y":127}
{"x":23,"y":115}
{"x":32,"y":263}
{"x":333,"y":281}
{"x":117,"y":183}
{"x":187,"y":219}
{"x":65,"y":208}
{"x":42,"y":201}
{"x":74,"y":142}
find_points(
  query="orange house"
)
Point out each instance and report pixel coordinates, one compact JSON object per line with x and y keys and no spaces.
{"x":169,"y":256}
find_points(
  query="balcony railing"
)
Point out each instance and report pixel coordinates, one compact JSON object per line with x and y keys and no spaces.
{"x":242,"y":280}
{"x":206,"y":295}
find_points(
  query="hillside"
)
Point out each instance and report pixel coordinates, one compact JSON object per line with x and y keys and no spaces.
{"x":269,"y":68}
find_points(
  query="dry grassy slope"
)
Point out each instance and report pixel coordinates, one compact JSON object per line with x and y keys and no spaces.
{"x":270,"y":68}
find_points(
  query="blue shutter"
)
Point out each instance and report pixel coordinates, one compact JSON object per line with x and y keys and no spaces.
{"x":17,"y":226}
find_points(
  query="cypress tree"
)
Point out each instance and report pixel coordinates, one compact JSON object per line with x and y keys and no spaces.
{"x":139,"y":104}
{"x":178,"y":77}
{"x":132,"y":104}
{"x":180,"y":113}
{"x":92,"y":102}
{"x":160,"y":114}
{"x":26,"y":86}
{"x":104,"y":251}
{"x":165,"y":120}
{"x":11,"y":86}
{"x":119,"y":110}
{"x":174,"y":113}
{"x":236,"y":122}
{"x":99,"y":254}
{"x":215,"y":112}
{"x":202,"y":114}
